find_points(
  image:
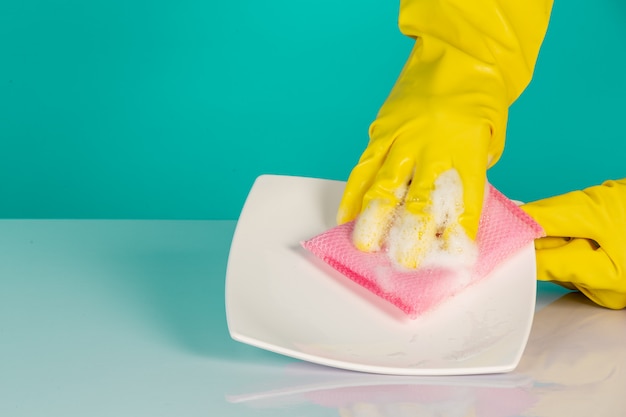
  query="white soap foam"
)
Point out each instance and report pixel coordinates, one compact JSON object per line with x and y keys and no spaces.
{"x":372,"y":226}
{"x":409,"y":238}
{"x":436,"y":238}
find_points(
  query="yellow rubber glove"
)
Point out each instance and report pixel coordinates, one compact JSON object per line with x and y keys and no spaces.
{"x":447,"y":113}
{"x":585,"y":247}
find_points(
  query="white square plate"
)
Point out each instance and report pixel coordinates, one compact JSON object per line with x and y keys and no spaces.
{"x":281,"y":298}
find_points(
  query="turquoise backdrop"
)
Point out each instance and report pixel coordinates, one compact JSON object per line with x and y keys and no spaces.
{"x":163,"y":109}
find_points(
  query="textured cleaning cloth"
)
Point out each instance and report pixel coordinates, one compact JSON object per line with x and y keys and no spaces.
{"x":503,"y":230}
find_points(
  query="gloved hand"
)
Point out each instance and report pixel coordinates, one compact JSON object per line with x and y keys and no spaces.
{"x":585,"y":247}
{"x":446,"y":114}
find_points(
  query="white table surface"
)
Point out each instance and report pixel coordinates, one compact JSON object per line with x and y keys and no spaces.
{"x":126,"y":318}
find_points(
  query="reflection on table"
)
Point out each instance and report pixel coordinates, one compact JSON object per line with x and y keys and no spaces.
{"x":126,"y":318}
{"x":574,"y":365}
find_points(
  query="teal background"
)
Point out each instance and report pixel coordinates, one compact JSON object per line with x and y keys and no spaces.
{"x":155,"y":109}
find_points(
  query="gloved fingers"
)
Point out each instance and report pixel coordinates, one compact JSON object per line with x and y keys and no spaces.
{"x":415,"y":229}
{"x":581,"y":263}
{"x":411,"y":236}
{"x":391,"y":181}
{"x":551,"y":242}
{"x":360,"y":180}
{"x":498,"y":136}
{"x":574,"y":214}
{"x":432,"y":214}
{"x":474,"y":179}
{"x":459,"y":195}
{"x":382,"y":199}
{"x":372,"y":225}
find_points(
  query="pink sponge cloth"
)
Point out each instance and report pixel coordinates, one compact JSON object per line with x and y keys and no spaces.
{"x":503,"y":230}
